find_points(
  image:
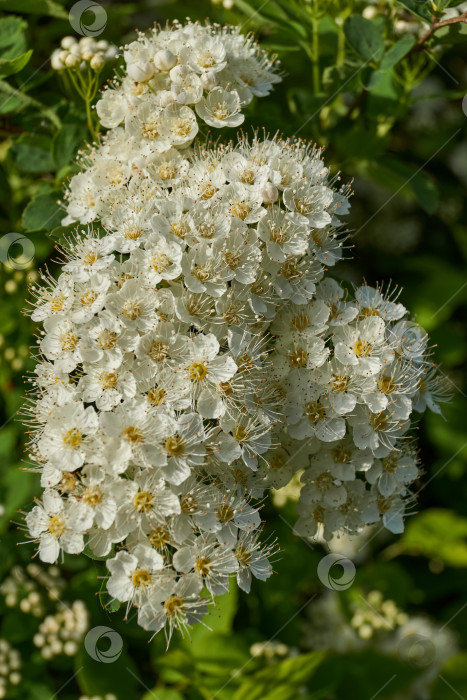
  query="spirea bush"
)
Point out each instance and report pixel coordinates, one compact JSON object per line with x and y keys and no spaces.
{"x":195,"y":350}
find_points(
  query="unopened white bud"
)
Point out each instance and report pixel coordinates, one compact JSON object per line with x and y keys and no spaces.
{"x":97,"y":61}
{"x":67,"y":42}
{"x":141,"y":71}
{"x":72,"y":61}
{"x":165,"y":60}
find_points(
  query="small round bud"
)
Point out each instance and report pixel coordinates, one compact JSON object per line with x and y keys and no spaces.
{"x":67,"y":42}
{"x":72,"y":61}
{"x":97,"y":61}
{"x":165,"y":60}
{"x":141,"y":71}
{"x":87,"y":55}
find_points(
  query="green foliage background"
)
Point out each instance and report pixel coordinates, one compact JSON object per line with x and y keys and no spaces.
{"x":389,"y":112}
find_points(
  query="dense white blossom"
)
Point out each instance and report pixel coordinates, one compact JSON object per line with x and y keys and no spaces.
{"x":194,"y":354}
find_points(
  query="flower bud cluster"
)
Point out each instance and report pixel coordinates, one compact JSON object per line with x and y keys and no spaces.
{"x":10,"y":665}
{"x":194,"y":354}
{"x":28,"y":588}
{"x":62,"y":632}
{"x":79,"y":54}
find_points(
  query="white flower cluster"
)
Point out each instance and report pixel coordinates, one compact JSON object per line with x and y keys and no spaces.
{"x":194,"y":355}
{"x":62,"y":632}
{"x":82,"y":53}
{"x":10,"y":665}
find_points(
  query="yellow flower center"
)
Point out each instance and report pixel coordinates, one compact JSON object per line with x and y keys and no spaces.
{"x":225,"y":513}
{"x":92,"y":495}
{"x":243,"y":555}
{"x":132,"y":309}
{"x":315,"y":411}
{"x":203,"y":566}
{"x":108,"y":380}
{"x":341,"y":455}
{"x":72,"y":438}
{"x":88,"y":297}
{"x":369,"y":312}
{"x":141,"y":577}
{"x":159,"y":537}
{"x":197,"y":371}
{"x":298,"y":358}
{"x":339,"y":382}
{"x":362,"y":348}
{"x":386,"y":385}
{"x":173,"y":605}
{"x":56,"y":526}
{"x":160,"y":262}
{"x":57,"y":301}
{"x":175,"y":446}
{"x":188,"y":504}
{"x":132,"y":434}
{"x":156,"y":396}
{"x":69,"y":341}
{"x":158,"y":351}
{"x":142,"y":501}
{"x":107,"y":340}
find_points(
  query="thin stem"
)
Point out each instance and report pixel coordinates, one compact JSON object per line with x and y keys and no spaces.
{"x":434,"y":27}
{"x":315,"y":55}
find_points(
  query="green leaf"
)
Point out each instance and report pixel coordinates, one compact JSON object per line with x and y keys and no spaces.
{"x":66,"y":143}
{"x":437,"y":533}
{"x":282,"y":680}
{"x":421,"y":8}
{"x":16,"y":99}
{"x":10,"y":28}
{"x":14,"y":65}
{"x":397,"y":52}
{"x":33,"y":154}
{"x":35,"y":7}
{"x":43,"y":212}
{"x":364,"y":38}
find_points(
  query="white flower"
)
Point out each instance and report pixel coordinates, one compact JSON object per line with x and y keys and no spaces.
{"x":57,"y":526}
{"x":220,"y":108}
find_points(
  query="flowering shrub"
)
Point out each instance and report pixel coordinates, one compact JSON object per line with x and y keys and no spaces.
{"x":194,"y":351}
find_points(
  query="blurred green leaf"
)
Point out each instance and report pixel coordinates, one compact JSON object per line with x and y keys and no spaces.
{"x":421,"y":8}
{"x":43,"y":212}
{"x":14,"y":65}
{"x":66,"y":142}
{"x":437,"y":533}
{"x":35,"y":7}
{"x":364,"y":37}
{"x":397,"y":52}
{"x":281,"y":680}
{"x":32,"y":153}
